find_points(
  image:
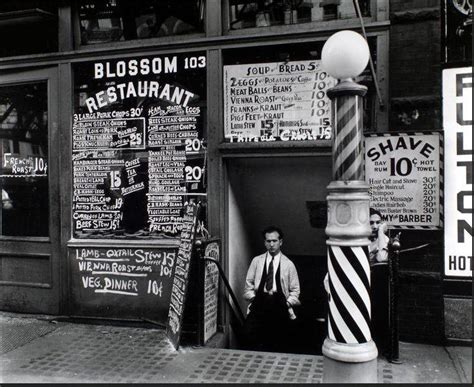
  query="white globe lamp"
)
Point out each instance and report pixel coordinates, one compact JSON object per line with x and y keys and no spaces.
{"x":345,"y":55}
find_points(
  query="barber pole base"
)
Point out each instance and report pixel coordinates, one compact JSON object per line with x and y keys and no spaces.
{"x":349,"y":335}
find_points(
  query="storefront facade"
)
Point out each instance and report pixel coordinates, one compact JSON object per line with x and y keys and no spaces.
{"x":125,"y":111}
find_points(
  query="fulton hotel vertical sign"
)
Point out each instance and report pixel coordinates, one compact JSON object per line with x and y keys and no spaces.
{"x":457,"y":117}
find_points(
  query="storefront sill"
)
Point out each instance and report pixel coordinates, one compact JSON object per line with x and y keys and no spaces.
{"x":321,"y":147}
{"x":84,"y":243}
{"x":25,"y":239}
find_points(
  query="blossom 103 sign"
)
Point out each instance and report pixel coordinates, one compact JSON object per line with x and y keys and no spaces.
{"x":457,"y":121}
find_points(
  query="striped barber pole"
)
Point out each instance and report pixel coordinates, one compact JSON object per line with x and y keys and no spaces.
{"x":349,"y":306}
{"x":349,"y":317}
{"x":348,"y":145}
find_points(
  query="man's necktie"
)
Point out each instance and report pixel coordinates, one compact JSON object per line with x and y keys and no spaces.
{"x":269,"y":280}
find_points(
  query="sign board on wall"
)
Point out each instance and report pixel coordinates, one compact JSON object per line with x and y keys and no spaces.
{"x":138,"y":145}
{"x":284,"y":101}
{"x":457,"y":122}
{"x":126,"y":282}
{"x":403,"y":172}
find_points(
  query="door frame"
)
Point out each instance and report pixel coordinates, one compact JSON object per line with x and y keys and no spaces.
{"x":33,"y":296}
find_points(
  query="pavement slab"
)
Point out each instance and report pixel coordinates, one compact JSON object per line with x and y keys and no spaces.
{"x":41,"y":351}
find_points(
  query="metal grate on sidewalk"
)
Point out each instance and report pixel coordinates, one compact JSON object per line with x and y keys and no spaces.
{"x":229,"y":366}
{"x":16,"y":332}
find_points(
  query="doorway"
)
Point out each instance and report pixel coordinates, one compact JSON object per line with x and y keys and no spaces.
{"x":29,"y":181}
{"x":288,"y":192}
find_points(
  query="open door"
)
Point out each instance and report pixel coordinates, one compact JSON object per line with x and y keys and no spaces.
{"x":29,"y":181}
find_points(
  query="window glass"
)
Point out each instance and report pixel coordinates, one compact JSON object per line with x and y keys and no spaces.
{"x":265,"y":13}
{"x":28,"y":27}
{"x":279,"y":93}
{"x":139,"y":145}
{"x":24,"y":160}
{"x":115,"y":20}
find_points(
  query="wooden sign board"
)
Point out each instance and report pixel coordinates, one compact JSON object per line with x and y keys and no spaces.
{"x":181,"y":274}
{"x":122,"y":282}
{"x":211,"y":291}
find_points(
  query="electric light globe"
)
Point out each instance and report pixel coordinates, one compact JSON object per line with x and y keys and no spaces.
{"x":345,"y":55}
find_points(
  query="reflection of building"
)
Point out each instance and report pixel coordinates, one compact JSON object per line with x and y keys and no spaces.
{"x":248,"y":184}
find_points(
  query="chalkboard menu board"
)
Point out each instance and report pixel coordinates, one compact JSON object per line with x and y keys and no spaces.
{"x":139,"y":145}
{"x":123,"y":282}
{"x":279,"y":101}
{"x":181,"y":274}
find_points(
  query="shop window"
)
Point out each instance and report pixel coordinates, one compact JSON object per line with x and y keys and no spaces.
{"x":139,"y":145}
{"x":279,"y":94}
{"x":458,"y":31}
{"x":24,"y":160}
{"x":28,"y":27}
{"x":104,"y":21}
{"x":265,"y":13}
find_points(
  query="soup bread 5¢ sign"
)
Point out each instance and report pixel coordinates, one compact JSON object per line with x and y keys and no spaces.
{"x":403,"y":172}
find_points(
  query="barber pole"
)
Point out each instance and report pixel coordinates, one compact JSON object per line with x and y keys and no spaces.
{"x":349,"y":335}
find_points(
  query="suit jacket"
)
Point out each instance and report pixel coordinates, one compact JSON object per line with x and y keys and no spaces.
{"x":289,"y":280}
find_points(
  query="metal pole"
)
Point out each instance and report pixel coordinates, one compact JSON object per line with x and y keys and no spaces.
{"x":394,"y":286}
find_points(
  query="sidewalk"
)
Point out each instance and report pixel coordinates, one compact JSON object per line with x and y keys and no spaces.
{"x":36,"y":350}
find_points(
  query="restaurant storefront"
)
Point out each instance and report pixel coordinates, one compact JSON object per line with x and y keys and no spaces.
{"x":131,"y":130}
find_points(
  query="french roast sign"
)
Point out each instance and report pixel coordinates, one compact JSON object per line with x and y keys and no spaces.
{"x":403,"y":172}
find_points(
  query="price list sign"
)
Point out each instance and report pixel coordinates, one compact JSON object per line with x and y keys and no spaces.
{"x":284,"y":101}
{"x":403,"y":172}
{"x":139,"y":148}
{"x":181,"y":274}
{"x":123,"y":281}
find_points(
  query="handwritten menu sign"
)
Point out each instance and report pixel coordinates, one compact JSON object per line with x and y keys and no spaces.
{"x":123,"y":281}
{"x":17,"y":165}
{"x":139,"y":147}
{"x":181,"y":273}
{"x":284,"y":101}
{"x":211,"y":291}
{"x":403,"y":172}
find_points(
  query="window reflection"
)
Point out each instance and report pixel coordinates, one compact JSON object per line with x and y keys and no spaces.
{"x":265,"y":13}
{"x":24,"y":160}
{"x":114,"y":20}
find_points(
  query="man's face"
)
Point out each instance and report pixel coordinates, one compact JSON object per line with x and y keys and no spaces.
{"x":375,"y":222}
{"x":273,"y":242}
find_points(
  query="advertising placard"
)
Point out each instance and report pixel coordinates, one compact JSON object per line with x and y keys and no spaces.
{"x":403,"y":172}
{"x":457,"y":122}
{"x":281,"y":101}
{"x":138,"y":145}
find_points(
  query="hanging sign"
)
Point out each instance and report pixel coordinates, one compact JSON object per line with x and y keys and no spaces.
{"x":457,"y":120}
{"x":403,"y":172}
{"x":283,"y":101}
